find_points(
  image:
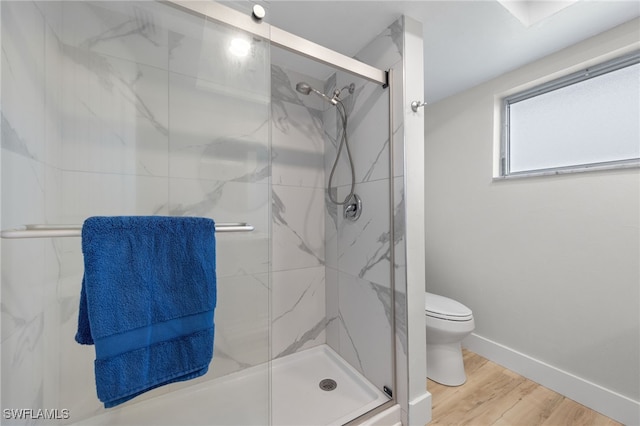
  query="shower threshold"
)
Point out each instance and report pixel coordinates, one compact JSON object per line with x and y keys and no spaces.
{"x":241,"y":398}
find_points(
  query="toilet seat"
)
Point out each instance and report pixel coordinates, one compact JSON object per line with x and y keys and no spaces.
{"x":444,"y":308}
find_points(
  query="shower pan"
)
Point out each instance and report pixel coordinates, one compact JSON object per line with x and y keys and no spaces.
{"x":163,"y":108}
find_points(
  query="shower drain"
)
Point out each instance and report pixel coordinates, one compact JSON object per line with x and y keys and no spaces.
{"x":328,"y":384}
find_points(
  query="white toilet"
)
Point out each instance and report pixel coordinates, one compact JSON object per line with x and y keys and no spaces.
{"x":447,"y":323}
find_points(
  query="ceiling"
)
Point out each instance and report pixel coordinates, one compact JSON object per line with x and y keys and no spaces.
{"x":465,"y":42}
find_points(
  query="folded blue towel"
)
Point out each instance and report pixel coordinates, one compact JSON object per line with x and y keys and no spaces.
{"x":147,"y":301}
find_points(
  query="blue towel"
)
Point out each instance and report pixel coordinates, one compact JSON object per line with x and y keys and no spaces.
{"x":147,"y":301}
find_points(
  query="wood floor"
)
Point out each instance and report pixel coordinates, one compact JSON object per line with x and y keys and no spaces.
{"x":494,"y":395}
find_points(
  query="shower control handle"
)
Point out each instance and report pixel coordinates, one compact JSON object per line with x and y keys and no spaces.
{"x":353,"y":209}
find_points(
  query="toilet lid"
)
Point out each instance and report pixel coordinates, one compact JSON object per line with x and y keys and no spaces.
{"x":445,"y":308}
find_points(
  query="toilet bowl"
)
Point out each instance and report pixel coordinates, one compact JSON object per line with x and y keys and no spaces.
{"x":447,"y":323}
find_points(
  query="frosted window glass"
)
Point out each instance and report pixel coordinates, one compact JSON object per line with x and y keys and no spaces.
{"x":592,"y":121}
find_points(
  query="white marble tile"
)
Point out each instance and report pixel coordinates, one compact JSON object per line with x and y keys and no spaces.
{"x":298,"y":227}
{"x":223,"y":201}
{"x":53,"y":349}
{"x":134,"y":31}
{"x":365,"y":334}
{"x":400,"y":231}
{"x":23,"y":79}
{"x":398,"y":152}
{"x":400,"y":266}
{"x":297,"y":146}
{"x":398,"y":124}
{"x":94,"y":194}
{"x":363,"y":246}
{"x":52,"y":194}
{"x":331,"y":236}
{"x":26,"y":269}
{"x":23,"y":189}
{"x":52,"y":13}
{"x":186,"y":43}
{"x":332,"y":297}
{"x":216,"y":137}
{"x":115,"y":115}
{"x":237,"y":253}
{"x":367,"y":133}
{"x":23,"y":283}
{"x":369,"y":127}
{"x":386,"y":49}
{"x":242,"y":324}
{"x":298,"y":310}
{"x":22,"y":367}
{"x":53,"y":123}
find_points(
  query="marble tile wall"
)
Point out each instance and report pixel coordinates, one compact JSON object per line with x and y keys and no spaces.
{"x":331,"y":277}
{"x":112,"y":108}
{"x":123,"y":113}
{"x":358,"y":253}
{"x":30,"y":140}
{"x":299,"y":316}
{"x":386,"y":51}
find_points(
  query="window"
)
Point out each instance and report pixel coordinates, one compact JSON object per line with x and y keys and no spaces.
{"x":583,"y":121}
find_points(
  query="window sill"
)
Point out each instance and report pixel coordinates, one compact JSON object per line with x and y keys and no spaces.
{"x":570,"y":170}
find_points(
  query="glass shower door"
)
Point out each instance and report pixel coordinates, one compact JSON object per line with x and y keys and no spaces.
{"x":219,"y":167}
{"x":131,"y":108}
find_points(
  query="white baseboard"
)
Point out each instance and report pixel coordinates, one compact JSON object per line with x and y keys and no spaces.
{"x":420,"y":410}
{"x":602,"y":400}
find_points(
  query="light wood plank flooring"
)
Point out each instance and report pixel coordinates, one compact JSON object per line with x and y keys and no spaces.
{"x":494,"y":395}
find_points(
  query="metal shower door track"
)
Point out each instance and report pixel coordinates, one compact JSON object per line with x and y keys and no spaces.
{"x":281,"y":38}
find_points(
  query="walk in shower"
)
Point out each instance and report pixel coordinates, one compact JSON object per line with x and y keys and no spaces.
{"x":150,"y":108}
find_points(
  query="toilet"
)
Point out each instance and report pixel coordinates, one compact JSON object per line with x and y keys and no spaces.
{"x":447,"y":323}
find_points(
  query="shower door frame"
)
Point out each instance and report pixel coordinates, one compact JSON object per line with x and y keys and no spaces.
{"x":283,"y":39}
{"x":308,"y":49}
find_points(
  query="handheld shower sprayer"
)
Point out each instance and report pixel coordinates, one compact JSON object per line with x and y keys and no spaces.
{"x":352,"y":201}
{"x":305,"y":89}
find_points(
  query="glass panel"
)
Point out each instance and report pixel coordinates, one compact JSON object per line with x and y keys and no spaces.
{"x":331,"y":279}
{"x":131,"y":108}
{"x":593,"y":121}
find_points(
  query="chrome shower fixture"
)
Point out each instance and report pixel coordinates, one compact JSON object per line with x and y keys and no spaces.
{"x":352,"y":204}
{"x":305,"y":89}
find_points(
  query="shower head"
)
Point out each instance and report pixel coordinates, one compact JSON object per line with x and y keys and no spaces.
{"x":305,"y":89}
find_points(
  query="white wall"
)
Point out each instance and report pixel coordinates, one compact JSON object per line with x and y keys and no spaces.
{"x":550,"y":266}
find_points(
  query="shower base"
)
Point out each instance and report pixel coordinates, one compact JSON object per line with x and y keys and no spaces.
{"x":241,"y":398}
{"x":298,"y":398}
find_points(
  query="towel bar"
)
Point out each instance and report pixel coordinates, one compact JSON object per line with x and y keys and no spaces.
{"x":55,"y":231}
